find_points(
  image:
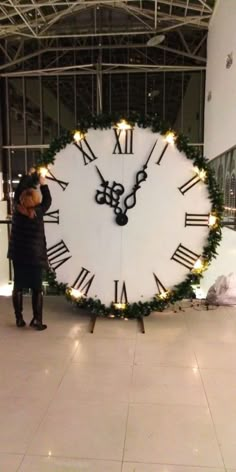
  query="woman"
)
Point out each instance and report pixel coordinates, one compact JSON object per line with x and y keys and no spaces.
{"x":27,"y":249}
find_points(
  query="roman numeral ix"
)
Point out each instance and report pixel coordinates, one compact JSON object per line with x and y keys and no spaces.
{"x":124,"y":141}
{"x":185,"y":257}
{"x":55,"y":254}
{"x":85,"y":149}
{"x":83,"y":282}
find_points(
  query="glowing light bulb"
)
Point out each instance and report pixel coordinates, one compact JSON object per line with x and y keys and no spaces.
{"x":201,"y":173}
{"x":75,"y":293}
{"x":43,"y":171}
{"x":198,"y":266}
{"x":120,"y":306}
{"x":212,"y":220}
{"x":78,"y":135}
{"x":123,"y":125}
{"x":163,"y":295}
{"x":170,"y":137}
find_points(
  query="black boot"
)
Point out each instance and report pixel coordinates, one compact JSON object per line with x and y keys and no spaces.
{"x":17,"y":300}
{"x":37,"y":305}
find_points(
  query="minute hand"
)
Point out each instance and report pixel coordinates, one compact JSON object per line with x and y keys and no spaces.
{"x":141,"y":176}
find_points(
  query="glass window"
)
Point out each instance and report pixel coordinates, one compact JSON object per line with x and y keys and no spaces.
{"x":33,"y":114}
{"x":16,"y":111}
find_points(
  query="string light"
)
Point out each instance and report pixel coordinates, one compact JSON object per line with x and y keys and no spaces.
{"x":201,"y":173}
{"x":123,"y":125}
{"x":170,"y":137}
{"x":119,"y":306}
{"x":78,"y":136}
{"x":163,"y":295}
{"x":229,"y":208}
{"x":199,"y":266}
{"x":43,"y":171}
{"x":212,"y":220}
{"x":76,"y":294}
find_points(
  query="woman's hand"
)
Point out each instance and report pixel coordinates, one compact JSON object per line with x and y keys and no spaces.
{"x":42,"y":180}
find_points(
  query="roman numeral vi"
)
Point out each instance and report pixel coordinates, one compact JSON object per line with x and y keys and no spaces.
{"x":123,"y":295}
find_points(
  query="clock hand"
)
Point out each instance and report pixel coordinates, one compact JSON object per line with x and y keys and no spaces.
{"x":110,"y":194}
{"x":141,"y":176}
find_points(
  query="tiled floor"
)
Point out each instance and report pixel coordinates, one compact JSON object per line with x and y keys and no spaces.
{"x":118,"y":400}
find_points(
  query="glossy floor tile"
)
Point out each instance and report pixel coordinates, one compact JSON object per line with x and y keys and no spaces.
{"x":118,"y":400}
{"x":137,"y":467}
{"x":59,"y":464}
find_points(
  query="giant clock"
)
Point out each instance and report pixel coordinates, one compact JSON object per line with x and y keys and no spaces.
{"x":131,"y":212}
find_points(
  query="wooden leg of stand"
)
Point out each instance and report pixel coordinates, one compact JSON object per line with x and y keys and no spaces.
{"x":140,"y":321}
{"x":92,"y":323}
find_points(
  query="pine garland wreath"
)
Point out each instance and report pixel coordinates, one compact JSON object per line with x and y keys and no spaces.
{"x":180,"y":291}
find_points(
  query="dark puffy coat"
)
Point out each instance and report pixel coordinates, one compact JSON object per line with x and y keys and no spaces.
{"x":27,"y":243}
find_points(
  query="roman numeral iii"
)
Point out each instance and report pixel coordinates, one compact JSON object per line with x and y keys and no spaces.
{"x":185,"y":257}
{"x":55,"y":254}
{"x":124,"y":141}
{"x":123,"y":294}
{"x":86,"y":151}
{"x":84,"y":281}
{"x":196,"y":219}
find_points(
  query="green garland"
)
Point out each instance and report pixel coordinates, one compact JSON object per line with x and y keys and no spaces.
{"x":182,"y":290}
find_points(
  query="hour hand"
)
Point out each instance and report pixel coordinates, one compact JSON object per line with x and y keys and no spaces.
{"x":104,"y":182}
{"x":110,"y":194}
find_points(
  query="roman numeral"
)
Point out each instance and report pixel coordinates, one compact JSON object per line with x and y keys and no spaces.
{"x":185,"y":257}
{"x":62,"y":184}
{"x":55,"y":253}
{"x":124,"y":141}
{"x":186,"y":187}
{"x":123,"y":295}
{"x":196,"y":219}
{"x":83,"y":282}
{"x":52,"y":217}
{"x":87,"y":153}
{"x":160,"y":287}
{"x":162,"y":154}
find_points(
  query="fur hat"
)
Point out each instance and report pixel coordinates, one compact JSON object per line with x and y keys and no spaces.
{"x":29,"y":199}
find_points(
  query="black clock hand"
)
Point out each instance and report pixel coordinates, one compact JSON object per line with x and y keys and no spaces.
{"x":110,"y":194}
{"x":141,"y":176}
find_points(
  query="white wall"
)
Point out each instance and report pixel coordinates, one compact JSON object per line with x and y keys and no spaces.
{"x":220,"y":112}
{"x":220,"y":115}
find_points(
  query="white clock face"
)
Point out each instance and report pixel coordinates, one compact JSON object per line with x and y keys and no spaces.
{"x":133,"y":213}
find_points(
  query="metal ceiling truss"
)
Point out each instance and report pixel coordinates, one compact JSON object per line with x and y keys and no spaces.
{"x":106,"y":68}
{"x":15,"y":57}
{"x":39,"y":19}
